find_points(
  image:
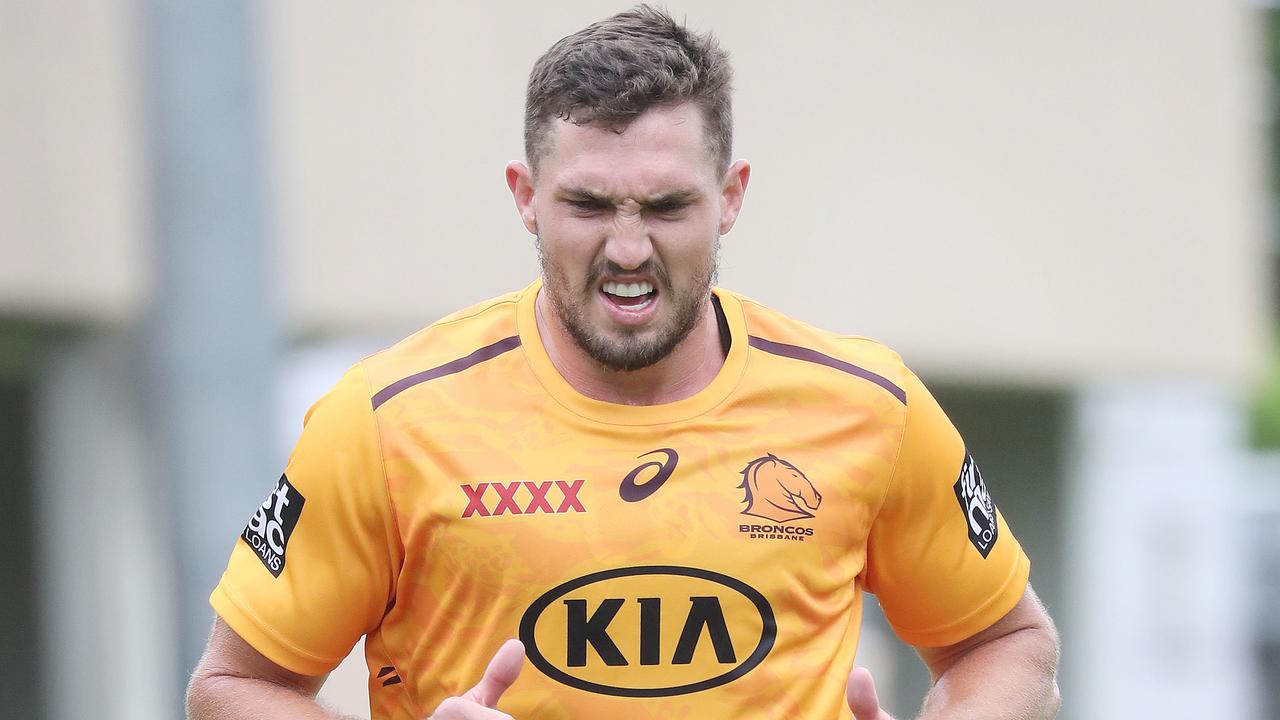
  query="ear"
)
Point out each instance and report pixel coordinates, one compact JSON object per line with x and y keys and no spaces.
{"x":520,"y":180}
{"x":732,"y":189}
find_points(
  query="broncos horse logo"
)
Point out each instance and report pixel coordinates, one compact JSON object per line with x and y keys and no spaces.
{"x":776,"y":490}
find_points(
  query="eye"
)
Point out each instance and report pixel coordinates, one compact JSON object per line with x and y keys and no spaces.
{"x":668,"y":209}
{"x":587,"y":206}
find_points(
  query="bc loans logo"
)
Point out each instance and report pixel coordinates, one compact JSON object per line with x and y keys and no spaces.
{"x":270,"y":527}
{"x":979,"y":511}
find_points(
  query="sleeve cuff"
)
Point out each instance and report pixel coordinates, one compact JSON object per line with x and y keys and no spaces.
{"x":266,"y":640}
{"x":997,"y":606}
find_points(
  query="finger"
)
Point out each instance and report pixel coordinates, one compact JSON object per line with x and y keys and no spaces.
{"x":457,"y":708}
{"x":862,"y":697}
{"x":502,"y":671}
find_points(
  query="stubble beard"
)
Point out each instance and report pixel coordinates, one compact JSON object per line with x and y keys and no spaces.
{"x":628,"y":349}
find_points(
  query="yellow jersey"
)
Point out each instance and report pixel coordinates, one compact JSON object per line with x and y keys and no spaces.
{"x":700,"y":559}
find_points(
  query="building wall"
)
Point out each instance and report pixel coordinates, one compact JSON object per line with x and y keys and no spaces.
{"x":1014,"y":191}
{"x":73,"y":195}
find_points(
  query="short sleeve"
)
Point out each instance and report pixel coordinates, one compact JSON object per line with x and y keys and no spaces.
{"x":940,"y":558}
{"x":316,"y":566}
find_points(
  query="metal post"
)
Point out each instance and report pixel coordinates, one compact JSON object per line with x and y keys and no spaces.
{"x":212,"y":342}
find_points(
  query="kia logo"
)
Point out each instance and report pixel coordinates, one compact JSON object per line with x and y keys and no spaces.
{"x":630,"y":632}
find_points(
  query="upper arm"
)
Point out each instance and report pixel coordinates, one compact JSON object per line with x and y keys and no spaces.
{"x":316,"y":567}
{"x":1028,"y":618}
{"x":228,"y":656}
{"x":940,"y":558}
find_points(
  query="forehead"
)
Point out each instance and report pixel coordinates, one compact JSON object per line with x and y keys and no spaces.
{"x":662,"y":147}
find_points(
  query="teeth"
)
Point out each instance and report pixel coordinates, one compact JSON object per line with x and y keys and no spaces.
{"x":628,"y":289}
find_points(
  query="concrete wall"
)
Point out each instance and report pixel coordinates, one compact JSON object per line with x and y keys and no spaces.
{"x":72,"y":160}
{"x":1015,"y":191}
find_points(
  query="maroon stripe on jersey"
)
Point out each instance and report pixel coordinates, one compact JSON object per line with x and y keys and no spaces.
{"x":799,"y":353}
{"x":488,"y":352}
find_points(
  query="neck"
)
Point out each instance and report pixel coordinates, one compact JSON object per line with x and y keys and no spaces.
{"x":690,"y":367}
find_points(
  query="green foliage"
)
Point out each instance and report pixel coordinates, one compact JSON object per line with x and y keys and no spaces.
{"x":20,"y":345}
{"x":1264,"y":425}
{"x":1264,"y":421}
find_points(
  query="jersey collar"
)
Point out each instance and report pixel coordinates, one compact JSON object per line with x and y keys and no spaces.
{"x":612,"y":413}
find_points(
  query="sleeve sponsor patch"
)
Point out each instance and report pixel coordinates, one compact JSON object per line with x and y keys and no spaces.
{"x":270,"y":527}
{"x":975,"y":503}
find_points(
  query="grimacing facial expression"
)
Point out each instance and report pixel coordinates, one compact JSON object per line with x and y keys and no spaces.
{"x":628,"y":227}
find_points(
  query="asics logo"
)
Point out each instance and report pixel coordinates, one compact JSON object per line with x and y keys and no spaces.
{"x":633,"y":491}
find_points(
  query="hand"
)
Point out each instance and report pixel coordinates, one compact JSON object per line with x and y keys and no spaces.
{"x":862,"y":698}
{"x":479,"y":702}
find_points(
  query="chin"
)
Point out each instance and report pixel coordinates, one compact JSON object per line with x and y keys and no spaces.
{"x":631,"y":351}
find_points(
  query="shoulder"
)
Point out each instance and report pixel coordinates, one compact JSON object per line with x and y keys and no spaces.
{"x":474,"y":333}
{"x":774,"y":333}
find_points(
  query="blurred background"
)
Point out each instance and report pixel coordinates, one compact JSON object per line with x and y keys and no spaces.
{"x":1061,"y":214}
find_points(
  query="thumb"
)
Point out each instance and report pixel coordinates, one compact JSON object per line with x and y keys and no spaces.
{"x":502,"y":671}
{"x":862,"y":697}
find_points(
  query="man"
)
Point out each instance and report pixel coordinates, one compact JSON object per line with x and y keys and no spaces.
{"x":673,"y":496}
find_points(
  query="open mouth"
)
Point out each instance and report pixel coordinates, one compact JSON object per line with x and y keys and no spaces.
{"x":630,"y":296}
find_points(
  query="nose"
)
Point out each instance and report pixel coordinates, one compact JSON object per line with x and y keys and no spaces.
{"x":629,"y":244}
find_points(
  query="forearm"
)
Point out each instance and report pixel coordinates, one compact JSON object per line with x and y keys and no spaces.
{"x":227,"y":697}
{"x":1011,"y":678}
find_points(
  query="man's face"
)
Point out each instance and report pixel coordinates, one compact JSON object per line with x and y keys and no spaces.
{"x":628,"y":227}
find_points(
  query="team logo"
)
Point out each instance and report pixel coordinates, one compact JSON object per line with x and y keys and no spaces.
{"x":270,"y":527}
{"x":522,"y":498}
{"x":776,"y":490}
{"x":979,"y":511}
{"x":648,"y":631}
{"x":633,"y":492}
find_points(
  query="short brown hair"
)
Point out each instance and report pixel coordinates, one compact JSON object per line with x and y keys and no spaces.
{"x":612,"y":71}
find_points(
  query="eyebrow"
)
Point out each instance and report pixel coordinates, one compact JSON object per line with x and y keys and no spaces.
{"x":672,"y":197}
